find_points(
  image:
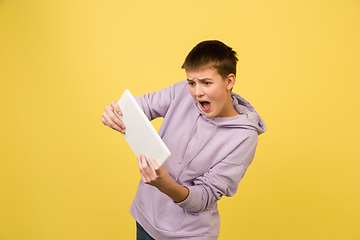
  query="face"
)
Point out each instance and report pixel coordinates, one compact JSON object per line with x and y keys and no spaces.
{"x":212,"y":92}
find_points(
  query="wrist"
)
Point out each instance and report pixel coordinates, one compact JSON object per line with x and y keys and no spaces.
{"x":175,"y":191}
{"x":167,"y":184}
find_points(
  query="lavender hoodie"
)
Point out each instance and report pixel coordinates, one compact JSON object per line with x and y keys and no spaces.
{"x":208,"y":155}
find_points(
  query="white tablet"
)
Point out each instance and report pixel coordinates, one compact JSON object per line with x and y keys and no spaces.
{"x":140,"y":133}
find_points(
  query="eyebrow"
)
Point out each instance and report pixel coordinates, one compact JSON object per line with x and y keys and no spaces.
{"x":201,"y":79}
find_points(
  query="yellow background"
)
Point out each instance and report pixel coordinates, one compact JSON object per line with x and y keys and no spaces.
{"x":63,"y":175}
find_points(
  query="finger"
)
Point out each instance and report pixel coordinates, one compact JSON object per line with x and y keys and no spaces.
{"x":143,"y":178}
{"x":112,"y":108}
{"x":112,"y":119}
{"x":117,"y":120}
{"x":109,"y":122}
{"x":116,"y":107}
{"x":146,"y":166}
{"x":143,"y":161}
{"x":143,"y":173}
{"x":114,"y":114}
{"x":154,"y":163}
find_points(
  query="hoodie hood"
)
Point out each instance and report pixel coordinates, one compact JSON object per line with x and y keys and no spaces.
{"x":248,"y":118}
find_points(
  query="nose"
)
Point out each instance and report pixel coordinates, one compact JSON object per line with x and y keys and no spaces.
{"x":199,"y":91}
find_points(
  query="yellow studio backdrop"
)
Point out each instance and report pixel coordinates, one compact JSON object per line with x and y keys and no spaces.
{"x":63,"y":175}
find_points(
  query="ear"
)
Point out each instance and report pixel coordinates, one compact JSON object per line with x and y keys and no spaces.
{"x":231,"y":79}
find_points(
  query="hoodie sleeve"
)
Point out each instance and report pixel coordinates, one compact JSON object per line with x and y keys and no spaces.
{"x":157,"y":103}
{"x":221,"y":179}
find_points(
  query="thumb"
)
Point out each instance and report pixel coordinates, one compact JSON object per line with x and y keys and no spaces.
{"x":154,"y":163}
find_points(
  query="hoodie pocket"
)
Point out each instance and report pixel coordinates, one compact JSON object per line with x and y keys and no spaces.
{"x":196,"y":223}
{"x":167,"y":215}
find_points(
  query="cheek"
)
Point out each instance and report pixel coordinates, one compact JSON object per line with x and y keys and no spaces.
{"x":215,"y":94}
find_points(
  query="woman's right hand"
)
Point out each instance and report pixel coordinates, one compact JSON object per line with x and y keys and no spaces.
{"x":111,"y":120}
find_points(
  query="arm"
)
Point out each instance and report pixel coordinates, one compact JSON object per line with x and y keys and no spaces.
{"x":157,"y":103}
{"x":154,"y":105}
{"x":160,"y":178}
{"x":221,"y":179}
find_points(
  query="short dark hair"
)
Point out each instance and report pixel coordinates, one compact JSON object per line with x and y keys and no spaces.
{"x":212,"y":54}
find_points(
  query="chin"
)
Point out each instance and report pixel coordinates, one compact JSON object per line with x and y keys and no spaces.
{"x":209,"y":115}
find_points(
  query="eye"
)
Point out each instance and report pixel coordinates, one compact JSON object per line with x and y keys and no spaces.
{"x":191,"y":83}
{"x":207,"y":83}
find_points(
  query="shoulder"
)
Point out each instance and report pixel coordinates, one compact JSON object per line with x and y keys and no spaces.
{"x":242,"y":136}
{"x":237,"y":142}
{"x":169,"y":92}
{"x":181,"y":86}
{"x":180,"y":90}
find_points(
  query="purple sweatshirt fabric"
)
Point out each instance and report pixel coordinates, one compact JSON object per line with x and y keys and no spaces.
{"x":208,"y":155}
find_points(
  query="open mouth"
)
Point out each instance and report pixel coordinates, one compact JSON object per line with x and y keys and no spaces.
{"x":205,"y":105}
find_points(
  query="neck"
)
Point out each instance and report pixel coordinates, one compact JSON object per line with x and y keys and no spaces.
{"x":229,"y":110}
